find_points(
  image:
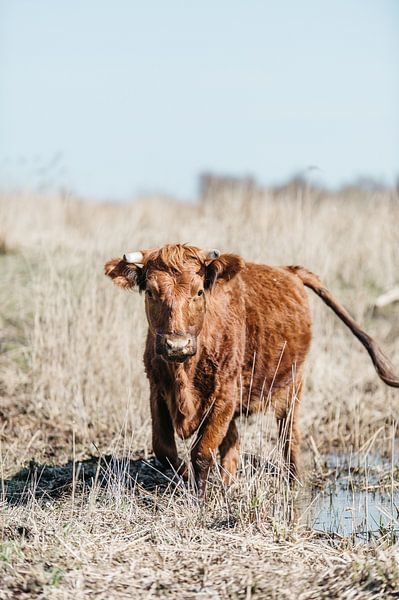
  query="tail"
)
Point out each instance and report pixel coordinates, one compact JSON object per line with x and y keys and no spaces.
{"x":382,"y":364}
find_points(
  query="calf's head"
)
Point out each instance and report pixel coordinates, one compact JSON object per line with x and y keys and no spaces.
{"x":177,"y":281}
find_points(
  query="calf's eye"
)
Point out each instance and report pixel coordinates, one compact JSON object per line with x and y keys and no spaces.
{"x":200,"y":292}
{"x":149,"y":294}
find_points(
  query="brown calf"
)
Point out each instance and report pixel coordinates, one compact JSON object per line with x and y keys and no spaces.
{"x":225,"y":337}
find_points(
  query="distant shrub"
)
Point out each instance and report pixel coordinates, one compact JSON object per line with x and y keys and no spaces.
{"x":4,"y":249}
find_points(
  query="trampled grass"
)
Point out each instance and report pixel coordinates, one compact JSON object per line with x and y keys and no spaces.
{"x":72,"y":385}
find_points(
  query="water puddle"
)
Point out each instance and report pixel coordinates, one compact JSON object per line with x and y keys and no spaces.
{"x":360,"y":498}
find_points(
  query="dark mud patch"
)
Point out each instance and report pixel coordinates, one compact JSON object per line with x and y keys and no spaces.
{"x":49,"y":482}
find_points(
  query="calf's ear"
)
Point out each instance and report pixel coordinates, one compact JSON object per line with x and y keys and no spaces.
{"x":223,"y":268}
{"x":124,"y":274}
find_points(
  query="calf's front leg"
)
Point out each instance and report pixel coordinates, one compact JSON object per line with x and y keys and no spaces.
{"x":163,"y":437}
{"x":211,"y":435}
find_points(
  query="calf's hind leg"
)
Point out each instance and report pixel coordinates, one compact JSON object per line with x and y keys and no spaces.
{"x":286,"y":405}
{"x":229,"y":453}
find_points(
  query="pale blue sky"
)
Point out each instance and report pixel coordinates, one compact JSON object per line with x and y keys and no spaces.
{"x":113,"y":98}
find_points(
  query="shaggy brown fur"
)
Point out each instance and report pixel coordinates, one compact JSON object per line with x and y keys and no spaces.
{"x":225,"y":337}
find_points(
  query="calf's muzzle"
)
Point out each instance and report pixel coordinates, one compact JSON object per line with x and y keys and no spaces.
{"x":175,"y":347}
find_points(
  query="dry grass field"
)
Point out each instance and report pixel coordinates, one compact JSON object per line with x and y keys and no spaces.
{"x":72,"y":386}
